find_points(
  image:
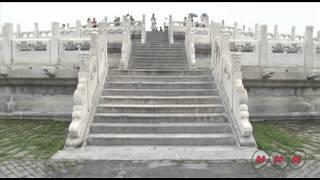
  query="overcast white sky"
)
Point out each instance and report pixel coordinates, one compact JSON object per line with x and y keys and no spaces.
{"x":283,"y":14}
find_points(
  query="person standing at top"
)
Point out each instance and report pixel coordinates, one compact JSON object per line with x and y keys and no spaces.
{"x":185,"y":21}
{"x":89,"y":23}
{"x":153,"y":22}
{"x":131,"y":20}
{"x":161,"y":29}
{"x":165,"y":24}
{"x":94,"y":23}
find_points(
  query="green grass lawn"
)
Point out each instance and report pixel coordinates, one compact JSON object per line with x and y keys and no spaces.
{"x":31,"y":139}
{"x":275,"y":136}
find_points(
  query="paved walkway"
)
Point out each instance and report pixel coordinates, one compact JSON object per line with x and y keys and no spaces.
{"x":148,"y":169}
{"x":133,"y":169}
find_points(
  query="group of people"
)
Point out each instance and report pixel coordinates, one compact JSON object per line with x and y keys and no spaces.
{"x":204,"y":19}
{"x":127,"y":17}
{"x":196,"y":24}
{"x":92,"y":24}
{"x":154,"y":24}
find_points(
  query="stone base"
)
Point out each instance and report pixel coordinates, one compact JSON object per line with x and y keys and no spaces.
{"x":155,"y":153}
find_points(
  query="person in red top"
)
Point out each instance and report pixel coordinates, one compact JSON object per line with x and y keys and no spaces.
{"x":94,"y":23}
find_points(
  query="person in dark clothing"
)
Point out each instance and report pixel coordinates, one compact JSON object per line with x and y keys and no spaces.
{"x":94,"y":23}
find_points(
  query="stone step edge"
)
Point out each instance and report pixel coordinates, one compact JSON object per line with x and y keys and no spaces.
{"x":158,"y":105}
{"x":163,"y":70}
{"x":129,"y":153}
{"x":184,"y":76}
{"x":160,"y":97}
{"x":147,"y":136}
{"x":161,"y":82}
{"x":162,"y":90}
{"x":153,"y":115}
{"x":166,"y":124}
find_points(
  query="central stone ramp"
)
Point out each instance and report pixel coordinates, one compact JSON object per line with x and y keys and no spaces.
{"x":160,"y":107}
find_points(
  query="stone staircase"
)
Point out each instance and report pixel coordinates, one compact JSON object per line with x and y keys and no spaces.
{"x":158,"y":53}
{"x":160,"y":109}
{"x":160,"y":102}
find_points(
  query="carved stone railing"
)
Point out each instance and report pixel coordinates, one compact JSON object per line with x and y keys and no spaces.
{"x":114,"y":24}
{"x":85,"y":32}
{"x":126,"y":46}
{"x":228,"y":76}
{"x":170,"y":30}
{"x":91,"y":77}
{"x":179,"y":26}
{"x":189,"y":46}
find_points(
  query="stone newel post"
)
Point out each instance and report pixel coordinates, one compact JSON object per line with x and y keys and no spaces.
{"x":36,"y":31}
{"x":214,"y":29}
{"x":7,"y":32}
{"x":170,"y":29}
{"x":275,"y":33}
{"x":263,"y":43}
{"x":318,"y":36}
{"x":78,"y":28}
{"x":293,"y":33}
{"x":235,"y":31}
{"x":55,"y":29}
{"x":309,"y":45}
{"x":18,"y":34}
{"x":143,"y":29}
{"x":256,"y":32}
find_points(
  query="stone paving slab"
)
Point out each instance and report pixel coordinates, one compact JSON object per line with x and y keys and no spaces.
{"x":155,"y":153}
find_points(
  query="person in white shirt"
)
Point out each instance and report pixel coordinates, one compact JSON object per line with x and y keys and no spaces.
{"x":165,"y":25}
{"x":153,"y":22}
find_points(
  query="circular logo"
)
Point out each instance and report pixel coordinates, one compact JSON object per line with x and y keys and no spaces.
{"x":259,"y":159}
{"x":278,"y":160}
{"x":298,"y":159}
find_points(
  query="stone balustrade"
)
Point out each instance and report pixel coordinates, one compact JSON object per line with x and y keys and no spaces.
{"x":226,"y":67}
{"x":92,"y":73}
{"x":56,"y":47}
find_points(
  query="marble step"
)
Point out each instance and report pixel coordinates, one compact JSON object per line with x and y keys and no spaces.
{"x":160,"y":108}
{"x":160,"y":100}
{"x":161,"y":139}
{"x":156,"y":63}
{"x":160,"y":92}
{"x":160,"y":72}
{"x":163,"y":66}
{"x":160,"y":118}
{"x":159,"y":85}
{"x":159,"y":128}
{"x":125,"y":78}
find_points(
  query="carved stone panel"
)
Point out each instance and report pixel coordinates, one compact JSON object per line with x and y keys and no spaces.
{"x":74,"y":45}
{"x":115,"y":31}
{"x":246,"y":47}
{"x":293,"y":48}
{"x":31,"y":46}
